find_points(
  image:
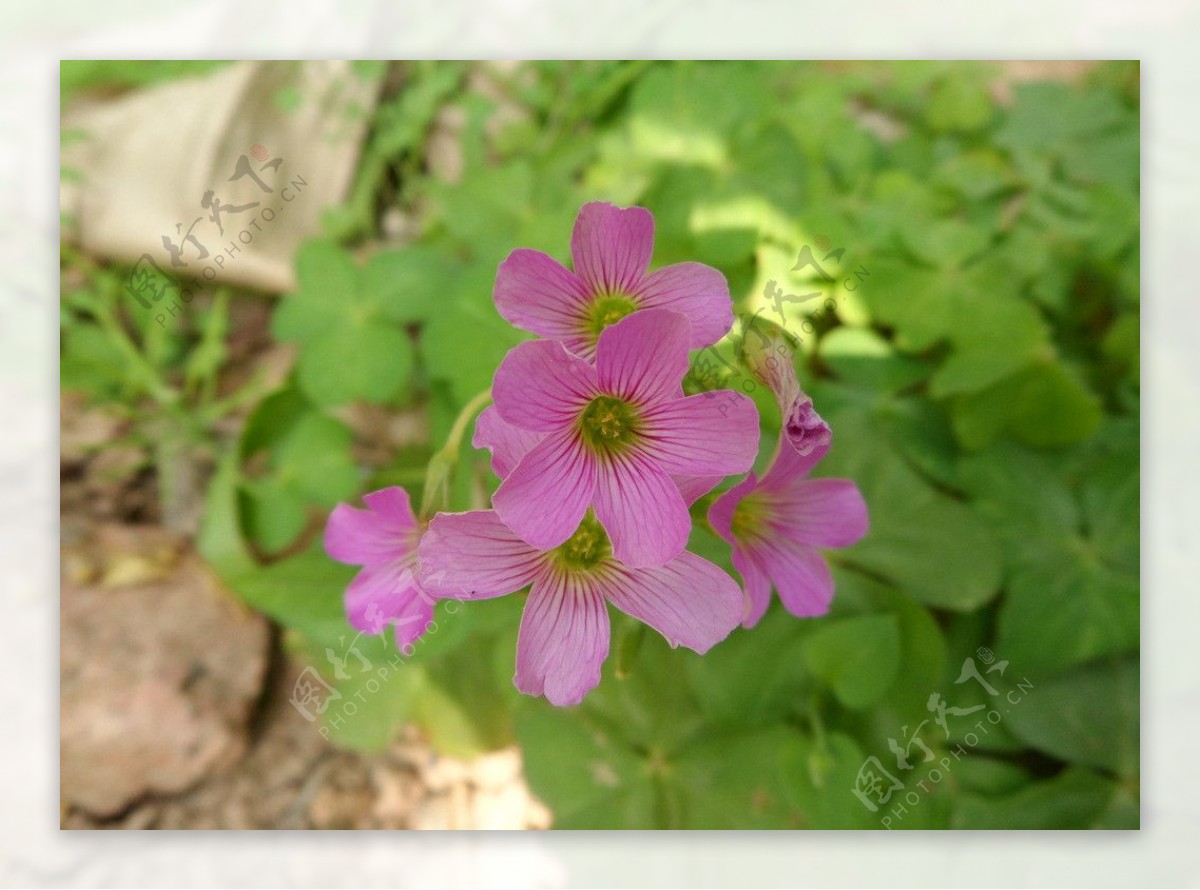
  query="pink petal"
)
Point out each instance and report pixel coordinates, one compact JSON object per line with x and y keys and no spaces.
{"x":695,"y":487}
{"x":772,"y":359}
{"x":507,"y":443}
{"x":689,"y":600}
{"x":540,"y":386}
{"x":642,"y":510}
{"x":470,"y":556}
{"x":720,"y":514}
{"x":644,"y":356}
{"x":708,"y":434}
{"x":805,"y":429}
{"x":797,"y":453}
{"x":820,"y":512}
{"x":545,"y":497}
{"x":563,"y":639}
{"x":611,"y":247}
{"x":696,"y":291}
{"x":384,"y":532}
{"x":394,"y":505}
{"x":757,"y":587}
{"x":537,"y":293}
{"x":799,"y":574}
{"x":389,"y":594}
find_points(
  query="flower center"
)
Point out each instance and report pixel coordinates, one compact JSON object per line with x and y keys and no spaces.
{"x":748,"y":518}
{"x":609,"y":425}
{"x":587,"y":548}
{"x":608,"y":309}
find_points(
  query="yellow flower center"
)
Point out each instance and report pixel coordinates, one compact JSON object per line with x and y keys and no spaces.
{"x":608,"y":309}
{"x":585,"y":549}
{"x":609,"y":425}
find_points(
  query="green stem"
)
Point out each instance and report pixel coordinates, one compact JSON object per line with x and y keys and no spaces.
{"x":442,"y":463}
{"x":465,"y":416}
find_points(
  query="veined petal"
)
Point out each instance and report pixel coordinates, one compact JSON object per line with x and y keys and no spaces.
{"x":706,"y":434}
{"x":799,"y":574}
{"x":474,"y":555}
{"x":820,"y":512}
{"x":507,"y":443}
{"x":692,"y":488}
{"x":389,"y":594}
{"x":790,"y":462}
{"x":563,"y":639}
{"x":384,"y":532}
{"x":611,"y":247}
{"x":695,"y":290}
{"x":545,"y":497}
{"x":393,"y":505}
{"x":643,"y":357}
{"x":720,"y":514}
{"x":642,"y":511}
{"x":537,"y":293}
{"x":756,"y":587}
{"x":540,"y":386}
{"x":689,"y":600}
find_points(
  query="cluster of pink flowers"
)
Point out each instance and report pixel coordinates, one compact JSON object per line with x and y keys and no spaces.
{"x":600,"y":456}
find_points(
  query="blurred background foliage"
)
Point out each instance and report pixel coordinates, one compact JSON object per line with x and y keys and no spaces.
{"x":974,"y":347}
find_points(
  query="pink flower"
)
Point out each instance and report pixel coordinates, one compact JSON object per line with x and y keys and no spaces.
{"x":614,"y":434}
{"x":776,"y":524}
{"x":564,"y":634}
{"x":611,"y":249}
{"x":508,"y":444}
{"x":383,"y":540}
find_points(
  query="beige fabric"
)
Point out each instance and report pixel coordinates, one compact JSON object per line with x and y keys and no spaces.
{"x":146,"y":160}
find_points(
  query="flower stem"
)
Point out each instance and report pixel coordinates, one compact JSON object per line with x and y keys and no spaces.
{"x":442,"y":463}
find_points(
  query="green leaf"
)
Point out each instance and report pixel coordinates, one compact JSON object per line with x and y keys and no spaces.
{"x":409,"y":284}
{"x":587,"y":775}
{"x":1048,"y":116}
{"x":1077,"y":798}
{"x":274,"y":514}
{"x":732,"y":781}
{"x":858,"y":657}
{"x":1044,"y":405}
{"x":959,"y":104}
{"x":303,"y":592}
{"x":1087,"y":716}
{"x":922,"y":647}
{"x":862,"y":358}
{"x":1073,"y":590}
{"x":819,"y":778}
{"x":355,"y":361}
{"x":976,"y":309}
{"x":314,"y":460}
{"x":465,"y":344}
{"x":927,"y":544}
{"x":754,"y":677}
{"x":328,"y":286}
{"x":944,"y":242}
{"x":220,"y":539}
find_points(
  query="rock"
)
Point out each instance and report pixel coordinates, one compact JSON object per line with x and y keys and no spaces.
{"x":497,"y":768}
{"x":432,"y":813}
{"x":442,"y":773}
{"x":159,"y":671}
{"x":502,"y":809}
